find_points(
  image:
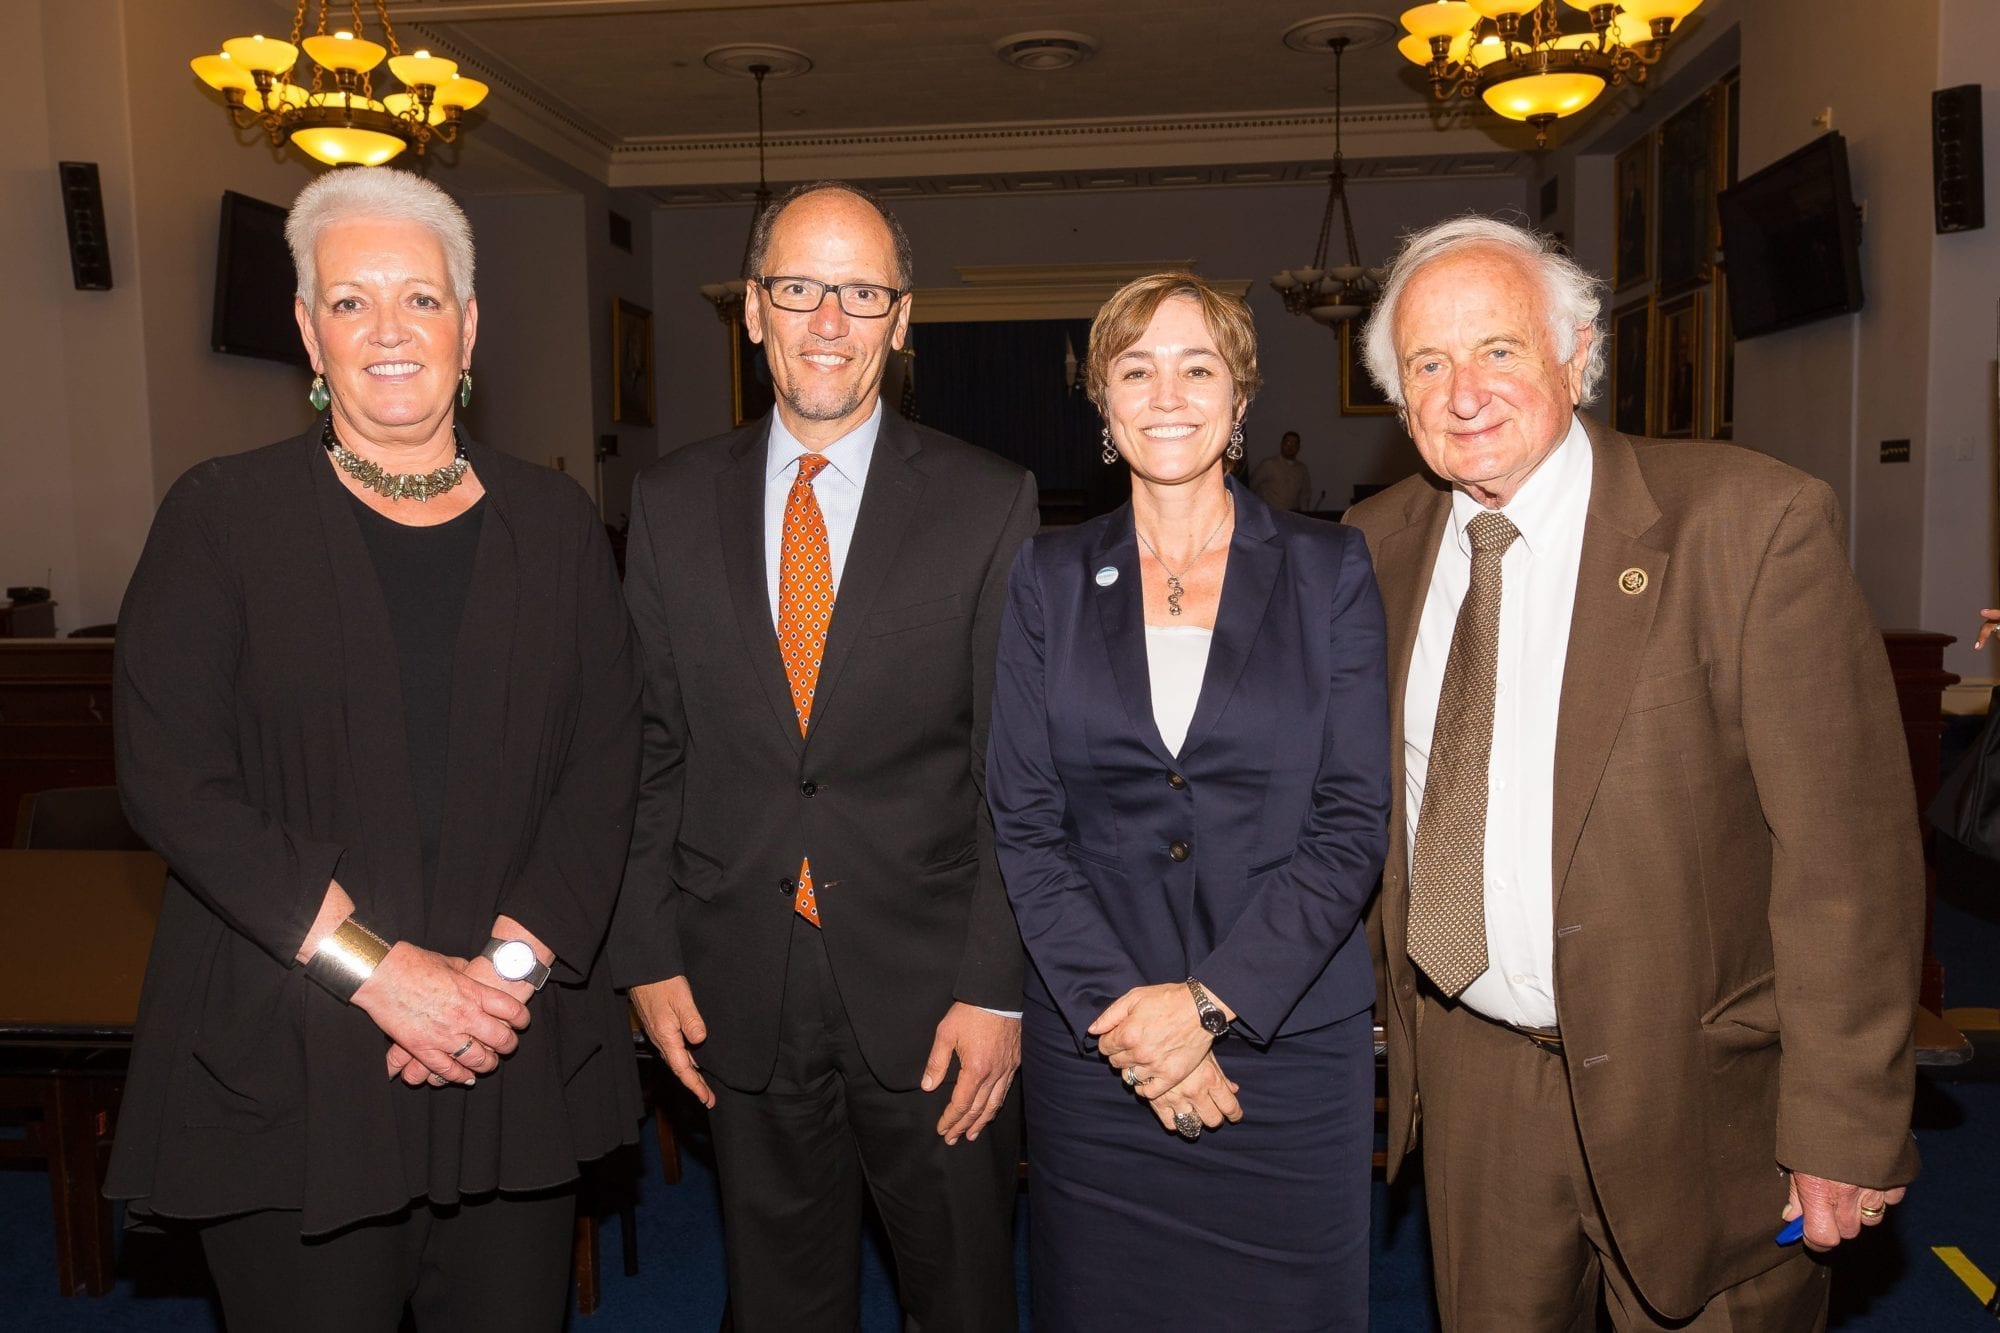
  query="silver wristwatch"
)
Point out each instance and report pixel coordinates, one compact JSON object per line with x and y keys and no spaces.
{"x":1213,"y":1020}
{"x":515,"y":960}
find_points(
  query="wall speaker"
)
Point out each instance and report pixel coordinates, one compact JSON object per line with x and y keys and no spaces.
{"x":1958,"y":167}
{"x":83,"y":209}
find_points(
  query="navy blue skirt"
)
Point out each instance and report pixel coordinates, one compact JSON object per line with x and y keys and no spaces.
{"x":1261,"y":1224}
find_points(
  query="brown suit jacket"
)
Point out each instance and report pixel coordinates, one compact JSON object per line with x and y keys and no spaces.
{"x":1738,"y":881}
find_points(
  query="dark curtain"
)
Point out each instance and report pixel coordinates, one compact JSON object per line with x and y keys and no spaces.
{"x":1000,"y":386}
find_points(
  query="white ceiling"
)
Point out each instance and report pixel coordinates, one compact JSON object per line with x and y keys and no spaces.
{"x":911,"y":95}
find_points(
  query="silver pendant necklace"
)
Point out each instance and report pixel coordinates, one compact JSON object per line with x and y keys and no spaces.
{"x":1174,"y":589}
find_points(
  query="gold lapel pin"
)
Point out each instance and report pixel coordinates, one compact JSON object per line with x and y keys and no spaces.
{"x":1632,"y":581}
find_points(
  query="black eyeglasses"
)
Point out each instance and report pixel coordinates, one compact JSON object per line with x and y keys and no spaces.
{"x":863,"y":300}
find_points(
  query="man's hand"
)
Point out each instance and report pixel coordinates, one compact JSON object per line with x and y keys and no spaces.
{"x":1207,"y":1092}
{"x":1156,"y":1032}
{"x":988,"y":1047}
{"x":430,"y":1008}
{"x":1834,"y":1211}
{"x":666,"y":1010}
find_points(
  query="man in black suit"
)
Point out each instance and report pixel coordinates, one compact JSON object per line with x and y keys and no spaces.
{"x":812,"y":922}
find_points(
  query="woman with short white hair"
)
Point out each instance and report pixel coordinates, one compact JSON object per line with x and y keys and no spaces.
{"x":376,"y":705}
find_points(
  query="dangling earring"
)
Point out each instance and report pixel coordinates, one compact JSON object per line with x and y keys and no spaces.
{"x":465,"y":388}
{"x":317,"y":395}
{"x":1110,"y":454}
{"x":1235,"y":449}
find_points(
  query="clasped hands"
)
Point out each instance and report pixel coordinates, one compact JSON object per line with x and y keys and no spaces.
{"x":448,"y":1019}
{"x":1154,"y":1040}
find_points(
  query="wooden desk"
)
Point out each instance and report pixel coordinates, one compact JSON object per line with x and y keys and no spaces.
{"x":86,"y":920}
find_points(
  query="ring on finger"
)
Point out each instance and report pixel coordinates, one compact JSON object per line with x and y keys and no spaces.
{"x":1130,"y":1076}
{"x":1875,"y":1212}
{"x":1188,"y":1125}
{"x":462,"y":1049}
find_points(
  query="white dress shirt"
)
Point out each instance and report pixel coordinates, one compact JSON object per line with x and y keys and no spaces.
{"x":837,"y":488}
{"x":1537,"y":595}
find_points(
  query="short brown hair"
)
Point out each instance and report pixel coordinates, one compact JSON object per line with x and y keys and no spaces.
{"x":1132,"y":307}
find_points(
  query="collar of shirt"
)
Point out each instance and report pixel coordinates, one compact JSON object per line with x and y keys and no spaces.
{"x":1551,"y":503}
{"x":837,"y":488}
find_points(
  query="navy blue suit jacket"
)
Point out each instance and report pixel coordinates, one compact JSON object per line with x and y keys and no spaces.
{"x":1279,"y":797}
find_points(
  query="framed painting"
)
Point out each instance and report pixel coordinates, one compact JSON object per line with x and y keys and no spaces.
{"x":750,"y":391}
{"x":1632,"y":367}
{"x":1722,"y":376}
{"x":1685,"y":210}
{"x":1359,"y":394}
{"x":1677,"y":367}
{"x":631,"y":364}
{"x":1632,"y":182}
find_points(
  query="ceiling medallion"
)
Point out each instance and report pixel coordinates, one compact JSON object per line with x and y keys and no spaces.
{"x":757,"y":60}
{"x":1517,"y":57}
{"x":1045,"y":51}
{"x":335,"y":116}
{"x":1315,"y":36}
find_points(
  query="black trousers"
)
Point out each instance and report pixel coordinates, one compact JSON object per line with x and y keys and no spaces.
{"x":795,"y":1156}
{"x":498,"y":1264}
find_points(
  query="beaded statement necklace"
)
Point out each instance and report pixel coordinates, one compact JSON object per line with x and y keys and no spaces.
{"x":418,"y":486}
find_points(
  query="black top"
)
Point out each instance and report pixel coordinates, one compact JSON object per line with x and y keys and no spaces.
{"x":261,"y":750}
{"x":424,"y":572}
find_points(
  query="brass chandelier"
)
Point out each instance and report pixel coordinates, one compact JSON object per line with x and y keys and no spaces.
{"x":335,"y":116}
{"x":1516,"y":56}
{"x":1332,"y":295}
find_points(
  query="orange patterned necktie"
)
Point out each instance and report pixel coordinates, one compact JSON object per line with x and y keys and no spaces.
{"x":805,"y":609}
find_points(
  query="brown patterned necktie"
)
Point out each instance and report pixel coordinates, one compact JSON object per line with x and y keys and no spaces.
{"x":805,"y":609}
{"x":1447,"y":936}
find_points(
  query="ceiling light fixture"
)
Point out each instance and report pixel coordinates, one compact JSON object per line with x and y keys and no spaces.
{"x":1332,"y":295}
{"x":1515,"y":56}
{"x":727,"y":297}
{"x":1044,"y":51}
{"x":336,"y":117}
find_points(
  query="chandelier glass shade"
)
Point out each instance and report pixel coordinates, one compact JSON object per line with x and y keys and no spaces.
{"x":335,"y":114}
{"x":1529,"y":61}
{"x":1332,"y":293}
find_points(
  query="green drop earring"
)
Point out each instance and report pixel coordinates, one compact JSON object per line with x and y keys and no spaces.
{"x":465,"y":388}
{"x":317,"y":395}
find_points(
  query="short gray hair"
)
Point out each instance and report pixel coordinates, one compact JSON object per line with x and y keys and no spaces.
{"x":767,"y":222}
{"x":1575,"y":296}
{"x":379,"y":194}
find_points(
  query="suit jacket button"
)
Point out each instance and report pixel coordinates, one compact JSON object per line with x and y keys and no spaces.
{"x":808,"y":788}
{"x":1178,"y":850}
{"x":788,"y":887}
{"x":1176,"y":781}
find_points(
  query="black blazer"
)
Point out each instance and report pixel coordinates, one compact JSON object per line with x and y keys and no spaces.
{"x":1246,"y":860}
{"x":259,"y":730}
{"x":887,"y":793}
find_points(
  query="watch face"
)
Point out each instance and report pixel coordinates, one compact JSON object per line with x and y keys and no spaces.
{"x":1214,"y":1022}
{"x":514,"y":960}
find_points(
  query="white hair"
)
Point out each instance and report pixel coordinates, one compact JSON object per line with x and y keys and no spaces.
{"x":1574,"y":295}
{"x":378,"y":194}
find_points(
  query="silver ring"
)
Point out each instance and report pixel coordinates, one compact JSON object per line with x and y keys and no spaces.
{"x":1188,"y":1125}
{"x":463,"y":1049}
{"x":1130,"y":1076}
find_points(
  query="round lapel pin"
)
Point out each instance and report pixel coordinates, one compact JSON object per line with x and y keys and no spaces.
{"x":1632,"y":581}
{"x":1107,"y":576}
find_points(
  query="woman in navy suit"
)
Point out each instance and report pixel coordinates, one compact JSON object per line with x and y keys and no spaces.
{"x":1188,"y":772}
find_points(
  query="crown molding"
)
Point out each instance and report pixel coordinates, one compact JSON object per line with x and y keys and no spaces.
{"x":1039,"y":291}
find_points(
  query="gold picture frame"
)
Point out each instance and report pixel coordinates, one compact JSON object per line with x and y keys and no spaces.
{"x":1632,"y":215}
{"x":1722,"y":374}
{"x":750,"y":391}
{"x":1678,"y":363}
{"x":631,"y":364}
{"x":1631,"y":364}
{"x":1360,"y":396}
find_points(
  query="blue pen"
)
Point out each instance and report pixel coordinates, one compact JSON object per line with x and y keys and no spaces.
{"x":1793,"y":1231}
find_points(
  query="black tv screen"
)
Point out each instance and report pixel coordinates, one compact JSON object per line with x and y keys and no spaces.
{"x":1792,"y":240}
{"x":254,"y":283}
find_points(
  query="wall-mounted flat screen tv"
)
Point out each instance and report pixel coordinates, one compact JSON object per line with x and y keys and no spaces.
{"x":1791,"y":237}
{"x":254,"y":283}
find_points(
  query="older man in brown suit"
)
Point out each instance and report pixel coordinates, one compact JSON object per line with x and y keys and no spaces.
{"x":1650,"y":924}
